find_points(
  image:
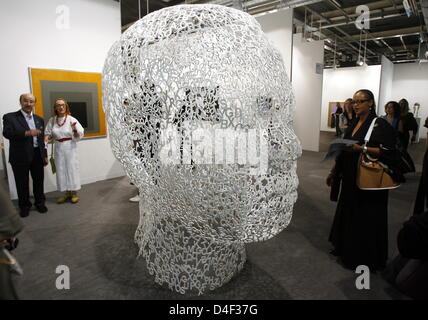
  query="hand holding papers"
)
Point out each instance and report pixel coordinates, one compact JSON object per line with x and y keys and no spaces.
{"x":338,"y":145}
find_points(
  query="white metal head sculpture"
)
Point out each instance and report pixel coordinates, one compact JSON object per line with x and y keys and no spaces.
{"x":199,"y":112}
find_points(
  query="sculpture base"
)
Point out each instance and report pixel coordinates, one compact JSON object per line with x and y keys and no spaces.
{"x":187,"y":263}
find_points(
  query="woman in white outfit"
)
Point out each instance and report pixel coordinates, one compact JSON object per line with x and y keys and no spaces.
{"x":65,"y":130}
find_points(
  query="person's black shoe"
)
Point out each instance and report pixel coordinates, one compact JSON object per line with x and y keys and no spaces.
{"x":42,"y":208}
{"x":24,"y":212}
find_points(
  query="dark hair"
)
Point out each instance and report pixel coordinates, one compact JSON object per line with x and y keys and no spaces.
{"x":350,"y":108}
{"x":405,"y":105}
{"x":396,"y":108}
{"x":369,"y":95}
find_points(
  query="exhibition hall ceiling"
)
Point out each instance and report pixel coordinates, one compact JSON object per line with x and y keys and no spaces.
{"x":354,"y":31}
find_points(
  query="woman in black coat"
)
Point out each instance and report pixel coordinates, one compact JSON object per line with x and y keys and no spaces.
{"x":359,"y":232}
{"x":407,"y":123}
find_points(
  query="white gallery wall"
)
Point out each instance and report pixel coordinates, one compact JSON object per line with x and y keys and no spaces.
{"x":386,"y":79}
{"x":410,"y":81}
{"x":278,"y":27}
{"x":340,"y":84}
{"x":307,"y":87}
{"x":34,"y":36}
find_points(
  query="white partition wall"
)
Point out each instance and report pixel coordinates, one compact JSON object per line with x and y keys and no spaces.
{"x":58,"y":34}
{"x":385,"y":90}
{"x":307,"y":86}
{"x":340,"y":84}
{"x":278,"y":27}
{"x":410,"y":81}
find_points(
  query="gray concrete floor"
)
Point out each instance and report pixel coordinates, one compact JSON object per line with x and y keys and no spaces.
{"x":94,"y":238}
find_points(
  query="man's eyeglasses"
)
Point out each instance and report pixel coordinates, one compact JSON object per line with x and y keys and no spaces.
{"x":359,"y":101}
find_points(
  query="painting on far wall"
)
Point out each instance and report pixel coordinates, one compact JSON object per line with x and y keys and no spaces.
{"x":332,"y":107}
{"x":82,"y":90}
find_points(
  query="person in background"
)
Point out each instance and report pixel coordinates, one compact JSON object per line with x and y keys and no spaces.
{"x":65,"y":130}
{"x":10,"y":226}
{"x":392,"y":110}
{"x":337,"y":114}
{"x":27,"y":153}
{"x":393,"y":116}
{"x":347,"y":116}
{"x":407,"y":123}
{"x":359,"y":232}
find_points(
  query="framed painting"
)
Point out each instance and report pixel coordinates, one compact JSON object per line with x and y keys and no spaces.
{"x":332,"y":107}
{"x":82,"y":90}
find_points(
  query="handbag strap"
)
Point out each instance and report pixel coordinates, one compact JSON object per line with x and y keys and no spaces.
{"x":369,"y":132}
{"x":52,"y":144}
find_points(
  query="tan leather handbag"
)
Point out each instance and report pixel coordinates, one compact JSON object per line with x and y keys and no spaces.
{"x":371,"y":174}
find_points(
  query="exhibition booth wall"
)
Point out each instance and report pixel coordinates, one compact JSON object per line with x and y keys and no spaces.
{"x":386,"y":78}
{"x":388,"y":82}
{"x":76,"y":35}
{"x":300,"y":59}
{"x":340,"y":84}
{"x":410,"y":81}
{"x":278,"y":27}
{"x":307,"y":86}
{"x":58,"y":34}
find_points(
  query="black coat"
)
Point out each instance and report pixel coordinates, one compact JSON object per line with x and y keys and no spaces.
{"x":412,"y":240}
{"x":21,"y":147}
{"x":360,"y":227}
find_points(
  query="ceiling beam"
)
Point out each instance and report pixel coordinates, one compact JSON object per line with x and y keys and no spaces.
{"x":395,"y":15}
{"x":390,"y":33}
{"x":387,"y":45}
{"x":343,"y":32}
{"x":393,"y":4}
{"x":339,"y":30}
{"x":395,"y":48}
{"x":384,"y":4}
{"x":404,"y":44}
{"x":375,"y":12}
{"x":332,"y":3}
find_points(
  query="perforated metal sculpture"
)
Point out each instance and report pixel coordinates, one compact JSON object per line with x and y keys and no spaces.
{"x":199,"y":111}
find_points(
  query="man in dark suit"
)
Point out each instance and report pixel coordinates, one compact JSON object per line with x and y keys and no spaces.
{"x":27,"y":152}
